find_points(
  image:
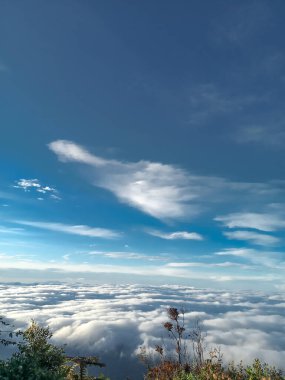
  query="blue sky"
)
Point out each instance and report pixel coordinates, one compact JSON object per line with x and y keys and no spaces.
{"x":143,"y":142}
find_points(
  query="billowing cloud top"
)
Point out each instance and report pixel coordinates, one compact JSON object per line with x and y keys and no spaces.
{"x":113,"y":321}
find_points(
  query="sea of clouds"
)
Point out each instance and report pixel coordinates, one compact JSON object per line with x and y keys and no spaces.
{"x":114,"y":321}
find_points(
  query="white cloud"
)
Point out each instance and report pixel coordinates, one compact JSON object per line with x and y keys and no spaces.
{"x":236,"y":252}
{"x":34,"y":184}
{"x":11,"y":230}
{"x":157,"y":189}
{"x":251,"y":236}
{"x":56,"y":197}
{"x":72,"y":229}
{"x":128,"y":256}
{"x":162,"y":190}
{"x":156,"y":272}
{"x":68,"y":151}
{"x":26,"y":184}
{"x":266,"y":259}
{"x":260,"y":221}
{"x":225,"y":264}
{"x":113,"y":321}
{"x":184,"y":265}
{"x":178,"y":235}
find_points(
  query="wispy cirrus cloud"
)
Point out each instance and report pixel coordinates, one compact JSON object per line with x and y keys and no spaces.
{"x":252,"y":237}
{"x":178,"y":235}
{"x":236,"y":252}
{"x":81,"y":230}
{"x":226,"y":264}
{"x":241,"y":22}
{"x":11,"y":230}
{"x":270,"y":265}
{"x":270,"y":259}
{"x":34,"y":185}
{"x":260,"y":221}
{"x":123,"y":255}
{"x":272,"y":135}
{"x":208,"y":100}
{"x":163,"y":191}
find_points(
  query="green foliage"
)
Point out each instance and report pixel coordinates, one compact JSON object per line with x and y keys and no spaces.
{"x":21,"y":368}
{"x":102,"y":377}
{"x":36,"y":346}
{"x":36,"y":359}
{"x":81,"y":363}
{"x":185,"y":376}
{"x":210,"y":371}
{"x":87,"y":377}
{"x":255,"y":371}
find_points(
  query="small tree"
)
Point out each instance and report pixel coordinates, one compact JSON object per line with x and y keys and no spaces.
{"x":36,"y":359}
{"x":36,"y":346}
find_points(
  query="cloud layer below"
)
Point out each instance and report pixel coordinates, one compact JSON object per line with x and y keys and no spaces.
{"x":113,"y":321}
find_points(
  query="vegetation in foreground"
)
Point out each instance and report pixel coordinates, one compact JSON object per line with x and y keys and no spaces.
{"x":36,"y":358}
{"x":187,"y":360}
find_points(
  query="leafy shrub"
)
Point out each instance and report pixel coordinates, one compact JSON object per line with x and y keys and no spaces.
{"x":38,"y":359}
